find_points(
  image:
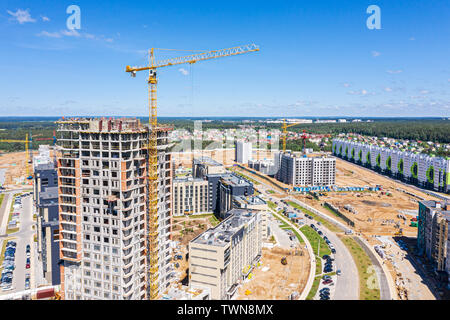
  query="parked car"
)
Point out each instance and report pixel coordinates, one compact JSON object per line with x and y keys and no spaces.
{"x":338,"y":272}
{"x":333,"y":251}
{"x":319,"y":232}
{"x":325,"y":256}
{"x":326,"y":277}
{"x":28,"y":251}
{"x":328,"y":281}
{"x":27,"y":284}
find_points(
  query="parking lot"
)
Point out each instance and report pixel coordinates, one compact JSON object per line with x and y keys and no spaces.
{"x":18,"y":256}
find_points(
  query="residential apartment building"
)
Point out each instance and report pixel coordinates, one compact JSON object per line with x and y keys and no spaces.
{"x":222,"y":257}
{"x":102,"y":173}
{"x":229,"y":186}
{"x":242,"y":151}
{"x":306,"y":171}
{"x":203,"y":166}
{"x":421,"y":169}
{"x":190,"y":196}
{"x":433,"y":237}
{"x":258,"y":205}
{"x":45,"y":198}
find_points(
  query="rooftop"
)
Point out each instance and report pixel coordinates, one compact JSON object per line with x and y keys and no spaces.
{"x":224,"y":231}
{"x":206,"y":160}
{"x":249,"y":200}
{"x":441,"y":206}
{"x":235,"y":180}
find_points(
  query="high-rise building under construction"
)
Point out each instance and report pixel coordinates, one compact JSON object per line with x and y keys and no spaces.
{"x":103,"y":181}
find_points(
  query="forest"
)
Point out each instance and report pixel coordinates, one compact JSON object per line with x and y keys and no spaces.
{"x":411,"y":129}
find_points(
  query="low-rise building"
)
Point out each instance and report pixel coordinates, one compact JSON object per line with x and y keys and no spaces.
{"x":190,"y":196}
{"x":258,"y":205}
{"x":232,"y":185}
{"x":223,"y":256}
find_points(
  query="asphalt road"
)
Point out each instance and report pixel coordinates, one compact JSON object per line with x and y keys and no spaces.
{"x":347,"y":284}
{"x":23,"y":237}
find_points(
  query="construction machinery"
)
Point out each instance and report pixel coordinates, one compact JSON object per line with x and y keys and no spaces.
{"x":152,"y":179}
{"x":399,"y":232}
{"x":27,"y":154}
{"x":284,"y":261}
{"x":284,"y":127}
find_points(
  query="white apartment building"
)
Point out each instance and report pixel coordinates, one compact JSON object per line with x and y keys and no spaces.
{"x":190,"y":196}
{"x":102,"y":173}
{"x":427,"y":171}
{"x":306,"y":171}
{"x":222,"y":257}
{"x":243,"y":152}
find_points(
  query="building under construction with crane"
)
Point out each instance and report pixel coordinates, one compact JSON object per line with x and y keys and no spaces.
{"x":103,"y":209}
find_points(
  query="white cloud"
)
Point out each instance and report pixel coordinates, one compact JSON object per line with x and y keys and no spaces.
{"x":387,"y":89}
{"x":49,"y":34}
{"x":362,"y":92}
{"x":183,"y":71}
{"x":70,"y":33}
{"x":412,"y":38}
{"x":73,"y":33}
{"x":21,"y":16}
{"x":375,"y":53}
{"x":346,"y":85}
{"x":44,"y":18}
{"x":424,"y":91}
{"x":394,"y":71}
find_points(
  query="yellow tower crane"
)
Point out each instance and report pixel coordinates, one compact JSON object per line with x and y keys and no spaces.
{"x":284,"y":127}
{"x":28,"y":159}
{"x":152,"y":181}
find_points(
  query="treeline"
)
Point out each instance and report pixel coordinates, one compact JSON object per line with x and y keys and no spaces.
{"x":423,"y":130}
{"x":17,"y":130}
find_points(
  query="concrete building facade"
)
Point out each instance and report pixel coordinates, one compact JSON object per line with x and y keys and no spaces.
{"x":242,"y":151}
{"x":306,"y":171}
{"x":45,"y":198}
{"x":420,"y":169}
{"x":191,"y":196}
{"x":433,"y":239}
{"x":222,"y":257}
{"x":102,"y":183}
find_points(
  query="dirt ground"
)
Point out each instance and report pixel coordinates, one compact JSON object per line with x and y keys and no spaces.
{"x":279,"y":281}
{"x":15,"y":163}
{"x":409,"y":284}
{"x":376,"y":213}
{"x":197,"y":225}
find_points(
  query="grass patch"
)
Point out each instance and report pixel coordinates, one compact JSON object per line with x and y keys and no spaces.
{"x":2,"y":196}
{"x":318,"y":265}
{"x":270,"y":191}
{"x":363,"y":263}
{"x":323,"y":221}
{"x":193,"y":216}
{"x":214,"y":221}
{"x":314,"y":288}
{"x":314,"y":239}
{"x":245,"y":177}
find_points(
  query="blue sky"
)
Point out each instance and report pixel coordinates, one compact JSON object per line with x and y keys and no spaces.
{"x":317,"y":58}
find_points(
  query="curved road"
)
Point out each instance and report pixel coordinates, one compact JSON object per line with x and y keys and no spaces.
{"x":347,"y":284}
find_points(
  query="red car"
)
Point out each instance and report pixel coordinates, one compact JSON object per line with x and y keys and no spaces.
{"x":327,"y":281}
{"x":27,"y":266}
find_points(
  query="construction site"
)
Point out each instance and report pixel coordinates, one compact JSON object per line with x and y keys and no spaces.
{"x":272,"y":279}
{"x":14,"y":165}
{"x":390,"y":211}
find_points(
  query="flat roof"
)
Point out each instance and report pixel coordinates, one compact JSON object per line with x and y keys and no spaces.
{"x":235,"y":180}
{"x":221,"y":234}
{"x":207,"y":160}
{"x":251,"y":200}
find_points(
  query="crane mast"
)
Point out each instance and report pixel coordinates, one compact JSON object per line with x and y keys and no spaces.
{"x":151,"y":249}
